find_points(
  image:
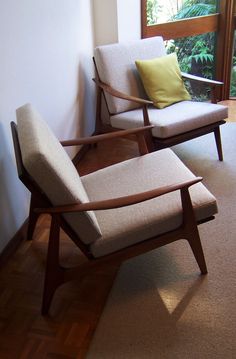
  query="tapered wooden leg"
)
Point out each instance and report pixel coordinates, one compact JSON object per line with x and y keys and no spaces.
{"x":196,"y":246}
{"x":98,"y":124}
{"x":192,"y":234}
{"x":218,"y":143}
{"x":148,"y":134}
{"x":33,"y":217}
{"x":54,"y":274}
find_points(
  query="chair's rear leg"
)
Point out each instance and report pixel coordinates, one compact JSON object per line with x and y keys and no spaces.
{"x":54,"y":273}
{"x":33,"y":217}
{"x":218,"y":142}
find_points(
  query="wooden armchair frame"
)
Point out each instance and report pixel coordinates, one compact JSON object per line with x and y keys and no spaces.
{"x":55,"y":274}
{"x":155,"y":143}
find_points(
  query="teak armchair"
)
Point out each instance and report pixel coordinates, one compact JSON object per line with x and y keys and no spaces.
{"x":120,"y":92}
{"x":112,"y":214}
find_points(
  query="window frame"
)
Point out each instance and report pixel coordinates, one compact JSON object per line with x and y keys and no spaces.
{"x":222,"y":22}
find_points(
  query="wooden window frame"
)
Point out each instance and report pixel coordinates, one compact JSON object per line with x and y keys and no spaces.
{"x":222,"y":22}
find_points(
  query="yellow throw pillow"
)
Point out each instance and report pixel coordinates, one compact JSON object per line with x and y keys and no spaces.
{"x":162,"y":80}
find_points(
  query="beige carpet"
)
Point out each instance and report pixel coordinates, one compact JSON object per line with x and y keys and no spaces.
{"x":159,"y":306}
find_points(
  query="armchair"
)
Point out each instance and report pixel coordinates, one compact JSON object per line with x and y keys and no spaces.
{"x":117,"y":78}
{"x":112,"y":214}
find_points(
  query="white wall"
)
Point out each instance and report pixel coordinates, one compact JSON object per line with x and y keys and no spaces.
{"x":116,"y":21}
{"x":105,"y":22}
{"x":129,"y":20}
{"x":46,"y":51}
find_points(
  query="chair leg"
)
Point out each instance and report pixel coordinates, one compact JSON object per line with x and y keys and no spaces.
{"x":196,"y":246}
{"x":98,"y":123}
{"x":218,"y":142}
{"x":33,"y":217}
{"x":54,"y":273}
{"x":191,"y":230}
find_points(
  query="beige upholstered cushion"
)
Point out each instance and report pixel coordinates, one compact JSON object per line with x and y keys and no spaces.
{"x":116,"y":67}
{"x":170,"y":121}
{"x":51,"y":168}
{"x":128,"y":225}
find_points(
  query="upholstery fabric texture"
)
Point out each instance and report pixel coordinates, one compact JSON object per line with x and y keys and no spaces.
{"x":125,"y":226}
{"x":116,"y":67}
{"x":49,"y":165}
{"x":172,"y":120}
{"x":162,"y":80}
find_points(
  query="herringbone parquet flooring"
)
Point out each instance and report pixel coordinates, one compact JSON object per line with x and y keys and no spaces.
{"x":76,"y":307}
{"x":74,"y":313}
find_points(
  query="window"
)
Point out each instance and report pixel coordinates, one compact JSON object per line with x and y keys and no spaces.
{"x":233,"y":68}
{"x":200,"y":31}
{"x":162,"y":11}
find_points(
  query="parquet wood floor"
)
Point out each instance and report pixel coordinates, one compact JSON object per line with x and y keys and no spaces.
{"x":77,"y":306}
{"x":75,"y":311}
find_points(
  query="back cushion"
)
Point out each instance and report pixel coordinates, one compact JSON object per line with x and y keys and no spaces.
{"x":116,"y":67}
{"x":51,"y":168}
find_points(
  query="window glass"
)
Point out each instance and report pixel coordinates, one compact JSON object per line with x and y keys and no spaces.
{"x":196,"y":55}
{"x":161,"y":11}
{"x":233,"y":70}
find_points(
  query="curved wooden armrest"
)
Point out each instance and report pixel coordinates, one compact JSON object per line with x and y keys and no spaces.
{"x":121,"y":95}
{"x":120,"y":201}
{"x":201,"y":79}
{"x":105,"y":136}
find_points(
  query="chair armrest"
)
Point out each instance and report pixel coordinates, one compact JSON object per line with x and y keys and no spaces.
{"x":120,"y":201}
{"x":116,"y":93}
{"x":201,"y":79}
{"x":105,"y":136}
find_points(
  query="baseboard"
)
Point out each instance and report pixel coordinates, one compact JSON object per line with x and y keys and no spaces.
{"x":13,"y":244}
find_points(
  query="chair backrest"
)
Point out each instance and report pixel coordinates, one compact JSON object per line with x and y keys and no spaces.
{"x":115,"y":64}
{"x":51,"y":168}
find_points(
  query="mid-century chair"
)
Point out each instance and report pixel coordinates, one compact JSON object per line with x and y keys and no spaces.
{"x":114,"y":213}
{"x":119,"y":83}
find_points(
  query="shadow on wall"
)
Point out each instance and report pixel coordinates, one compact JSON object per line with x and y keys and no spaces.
{"x":86,"y":97}
{"x":11,"y":192}
{"x":79,"y":120}
{"x":82,"y":114}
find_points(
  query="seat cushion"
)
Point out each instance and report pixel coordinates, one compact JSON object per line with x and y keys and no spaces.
{"x":162,"y":80}
{"x":116,"y":67}
{"x":125,"y":226}
{"x":51,"y":168}
{"x":180,"y":117}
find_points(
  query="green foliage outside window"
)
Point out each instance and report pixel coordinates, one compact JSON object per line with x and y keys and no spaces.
{"x":152,"y":11}
{"x":195,"y":53}
{"x":233,"y":72}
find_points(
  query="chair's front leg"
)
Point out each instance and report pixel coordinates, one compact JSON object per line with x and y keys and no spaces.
{"x":148,"y":134}
{"x":218,"y":143}
{"x":191,"y":229}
